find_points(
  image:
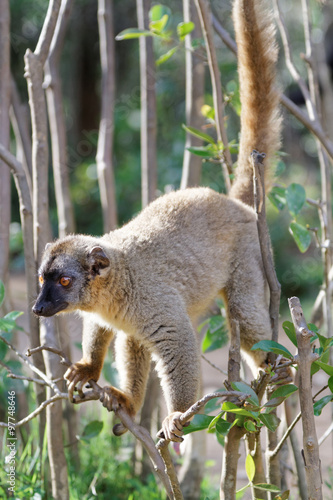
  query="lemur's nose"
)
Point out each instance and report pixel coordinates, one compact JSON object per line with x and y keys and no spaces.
{"x":37,"y":310}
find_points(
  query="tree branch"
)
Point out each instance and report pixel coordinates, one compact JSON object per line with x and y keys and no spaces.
{"x":310,"y":442}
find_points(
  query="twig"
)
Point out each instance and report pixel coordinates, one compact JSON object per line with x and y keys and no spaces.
{"x":41,"y":407}
{"x":202,"y":7}
{"x":213,"y":365}
{"x":325,"y":435}
{"x":306,"y":358}
{"x":32,"y":367}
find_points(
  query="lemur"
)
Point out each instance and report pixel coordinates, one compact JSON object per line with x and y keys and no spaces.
{"x":148,"y":281}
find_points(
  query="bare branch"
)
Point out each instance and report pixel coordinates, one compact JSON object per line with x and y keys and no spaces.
{"x":45,"y":38}
{"x":202,"y":6}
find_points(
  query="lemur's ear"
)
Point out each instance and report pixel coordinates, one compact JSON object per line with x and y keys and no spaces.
{"x":47,"y":246}
{"x":98,"y":260}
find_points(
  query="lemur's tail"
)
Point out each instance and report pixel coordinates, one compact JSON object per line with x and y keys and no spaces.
{"x":260,"y":119}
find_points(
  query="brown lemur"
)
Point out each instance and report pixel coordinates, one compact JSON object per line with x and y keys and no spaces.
{"x":151,"y":279}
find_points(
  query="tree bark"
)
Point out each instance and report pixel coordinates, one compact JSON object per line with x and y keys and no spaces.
{"x":4,"y":138}
{"x":34,"y":65}
{"x":105,"y":137}
{"x":305,"y":360}
{"x":195,"y":90}
{"x":57,"y":124}
{"x":148,"y":108}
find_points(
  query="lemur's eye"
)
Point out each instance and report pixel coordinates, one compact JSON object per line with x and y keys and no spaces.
{"x":65,"y":281}
{"x":41,"y":280}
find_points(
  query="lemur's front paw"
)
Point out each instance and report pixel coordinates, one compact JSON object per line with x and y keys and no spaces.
{"x":78,"y":375}
{"x":172,"y":429}
{"x":113,"y":399}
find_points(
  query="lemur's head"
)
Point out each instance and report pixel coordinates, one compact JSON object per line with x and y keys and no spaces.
{"x":68,"y":267}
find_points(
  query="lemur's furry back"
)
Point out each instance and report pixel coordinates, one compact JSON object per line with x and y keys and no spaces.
{"x":260,"y":120}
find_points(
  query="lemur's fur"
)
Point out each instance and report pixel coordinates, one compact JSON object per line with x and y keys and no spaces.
{"x":150,"y":280}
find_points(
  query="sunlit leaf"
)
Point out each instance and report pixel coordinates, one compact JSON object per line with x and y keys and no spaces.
{"x":250,"y":467}
{"x":130,"y":33}
{"x":160,"y":24}
{"x":324,"y":366}
{"x":208,"y":112}
{"x":158,"y":11}
{"x":202,"y":151}
{"x":184,"y":29}
{"x":301,"y":236}
{"x":165,"y":57}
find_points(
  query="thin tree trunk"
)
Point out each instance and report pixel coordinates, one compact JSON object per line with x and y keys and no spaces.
{"x":4,"y":138}
{"x":195,"y":90}
{"x":19,"y":116}
{"x":66,"y":223}
{"x":105,"y":138}
{"x":35,"y":62}
{"x":207,"y":30}
{"x":148,"y":109}
{"x":57,"y":124}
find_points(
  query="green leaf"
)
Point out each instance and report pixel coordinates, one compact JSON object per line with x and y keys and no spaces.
{"x":7,"y":325}
{"x":246,"y":389}
{"x":301,"y":236}
{"x":320,"y":404}
{"x":91,"y":430}
{"x":13,"y":315}
{"x":216,"y":335}
{"x":274,"y":402}
{"x":165,"y":57}
{"x":130,"y":33}
{"x":208,"y":112}
{"x":184,"y":29}
{"x":250,"y":467}
{"x":158,"y":11}
{"x":249,"y":426}
{"x":159,"y":25}
{"x":203,"y":152}
{"x":284,"y":391}
{"x":280,"y":168}
{"x":215,"y":420}
{"x":267,"y":487}
{"x":3,"y":351}
{"x":271,"y":346}
{"x":295,"y":196}
{"x":330,"y":383}
{"x":270,"y":420}
{"x":2,"y":292}
{"x":277,"y":197}
{"x":327,"y":368}
{"x":232,"y":408}
{"x":283,"y":496}
{"x":198,"y":133}
{"x":198,"y":423}
{"x":223,"y":427}
{"x":289,"y":328}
